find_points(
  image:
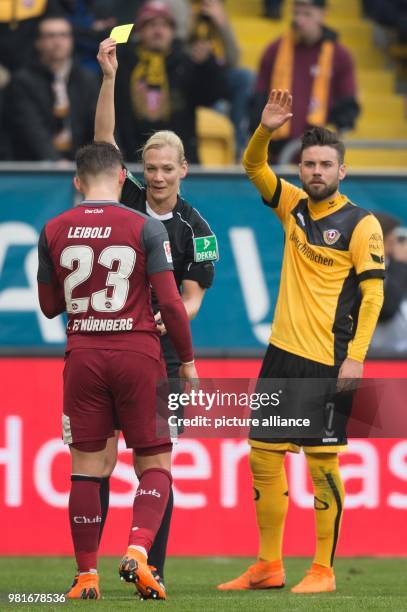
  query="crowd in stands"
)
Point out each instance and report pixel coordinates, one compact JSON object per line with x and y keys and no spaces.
{"x":390,"y":14}
{"x":182,"y":54}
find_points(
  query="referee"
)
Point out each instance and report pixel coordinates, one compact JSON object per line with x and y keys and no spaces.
{"x":193,"y":246}
{"x":332,"y":249}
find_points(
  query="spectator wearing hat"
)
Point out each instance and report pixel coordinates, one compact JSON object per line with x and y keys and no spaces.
{"x":308,"y":61}
{"x":391,"y":333}
{"x":160,"y":85}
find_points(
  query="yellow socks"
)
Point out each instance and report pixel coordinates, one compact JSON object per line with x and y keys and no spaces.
{"x":271,"y":499}
{"x":328,"y":503}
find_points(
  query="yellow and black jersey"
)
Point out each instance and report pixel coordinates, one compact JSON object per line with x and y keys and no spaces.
{"x":330,"y":247}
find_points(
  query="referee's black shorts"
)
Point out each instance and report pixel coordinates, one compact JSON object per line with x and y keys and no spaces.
{"x":316,"y":399}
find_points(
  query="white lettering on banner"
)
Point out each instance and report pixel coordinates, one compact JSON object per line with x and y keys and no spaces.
{"x":125,"y":473}
{"x":298,"y":490}
{"x":199,"y":469}
{"x":24,"y":299}
{"x":398,"y":466}
{"x":10,"y":458}
{"x":252,"y":281}
{"x":367,"y":471}
{"x":43,"y":470}
{"x":231,"y":455}
{"x":42,"y":473}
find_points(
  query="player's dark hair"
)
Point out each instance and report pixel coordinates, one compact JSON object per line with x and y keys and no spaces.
{"x":322,"y":137}
{"x":97,"y":158}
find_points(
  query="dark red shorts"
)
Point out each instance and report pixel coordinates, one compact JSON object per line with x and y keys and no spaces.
{"x":101,"y":385}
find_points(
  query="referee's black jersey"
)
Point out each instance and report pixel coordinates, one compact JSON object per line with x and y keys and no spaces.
{"x":193,"y":244}
{"x":184,"y":229}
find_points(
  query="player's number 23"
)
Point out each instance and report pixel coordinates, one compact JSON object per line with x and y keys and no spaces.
{"x":83,"y":256}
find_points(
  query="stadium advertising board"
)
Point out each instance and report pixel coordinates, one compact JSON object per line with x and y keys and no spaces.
{"x":250,"y":242}
{"x":214,"y":512}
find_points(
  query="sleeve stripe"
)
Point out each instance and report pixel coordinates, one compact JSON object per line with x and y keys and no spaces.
{"x":203,"y":219}
{"x":370,"y":274}
{"x":133,"y":179}
{"x":186,"y":223}
{"x":276,"y":197}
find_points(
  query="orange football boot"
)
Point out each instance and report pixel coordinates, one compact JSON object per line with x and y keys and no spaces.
{"x":133,"y":568}
{"x":85,"y":586}
{"x":260,"y":575}
{"x":319,"y":579}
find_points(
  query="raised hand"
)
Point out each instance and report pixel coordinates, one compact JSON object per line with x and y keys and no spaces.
{"x":107,"y":58}
{"x":215,"y":10}
{"x":277,"y":110}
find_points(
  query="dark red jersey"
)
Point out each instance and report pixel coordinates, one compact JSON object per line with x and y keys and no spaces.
{"x":98,"y":258}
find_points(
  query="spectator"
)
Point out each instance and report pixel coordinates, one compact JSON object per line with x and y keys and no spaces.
{"x":5,"y":153}
{"x":391,"y":332}
{"x":390,"y":14}
{"x":211,"y":23}
{"x":125,"y":11}
{"x":272,"y":9}
{"x":159,"y":85}
{"x":18,"y":26}
{"x":52,"y":101}
{"x":319,"y":71}
{"x":92,"y":22}
{"x":181,"y":9}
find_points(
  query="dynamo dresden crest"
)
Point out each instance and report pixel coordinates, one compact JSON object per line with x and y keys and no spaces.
{"x":331,"y":236}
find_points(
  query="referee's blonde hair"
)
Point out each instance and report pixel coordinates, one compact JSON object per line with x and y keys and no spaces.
{"x":162,"y":139}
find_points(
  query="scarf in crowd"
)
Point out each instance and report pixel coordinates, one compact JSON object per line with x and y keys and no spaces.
{"x":282,"y":78}
{"x":149,"y":89}
{"x":18,"y":10}
{"x":62,"y":138}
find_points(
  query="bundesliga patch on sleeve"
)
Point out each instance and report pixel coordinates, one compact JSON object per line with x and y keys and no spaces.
{"x":206,"y":249}
{"x":167,"y":251}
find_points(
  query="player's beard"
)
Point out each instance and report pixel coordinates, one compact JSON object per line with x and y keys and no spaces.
{"x":318,"y":194}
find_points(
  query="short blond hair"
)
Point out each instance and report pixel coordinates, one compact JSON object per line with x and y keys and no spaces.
{"x":162,"y":139}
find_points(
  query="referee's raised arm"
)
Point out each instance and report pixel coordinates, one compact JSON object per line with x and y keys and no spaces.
{"x":105,"y":111}
{"x":276,"y":112}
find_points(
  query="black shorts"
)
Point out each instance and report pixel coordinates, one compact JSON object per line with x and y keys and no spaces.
{"x":315,"y":398}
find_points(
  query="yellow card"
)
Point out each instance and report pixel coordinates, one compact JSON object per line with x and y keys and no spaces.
{"x":121,"y":33}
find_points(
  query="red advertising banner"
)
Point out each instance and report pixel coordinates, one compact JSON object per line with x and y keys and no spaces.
{"x":214,"y":512}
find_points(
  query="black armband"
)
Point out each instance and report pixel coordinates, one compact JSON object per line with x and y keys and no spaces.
{"x":202,"y":273}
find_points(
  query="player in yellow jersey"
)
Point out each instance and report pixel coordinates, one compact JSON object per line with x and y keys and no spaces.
{"x":332,"y":250}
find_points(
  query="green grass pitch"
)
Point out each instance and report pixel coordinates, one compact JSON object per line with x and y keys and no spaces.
{"x":362,"y":584}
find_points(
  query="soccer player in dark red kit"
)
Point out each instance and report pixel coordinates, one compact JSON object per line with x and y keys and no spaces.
{"x":98,"y":261}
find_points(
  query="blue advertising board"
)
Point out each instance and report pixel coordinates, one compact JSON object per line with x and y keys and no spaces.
{"x":237,"y":311}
